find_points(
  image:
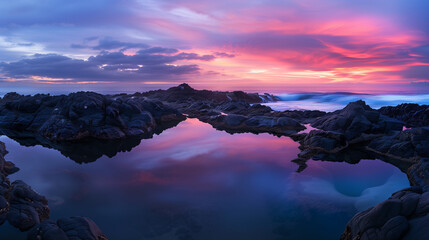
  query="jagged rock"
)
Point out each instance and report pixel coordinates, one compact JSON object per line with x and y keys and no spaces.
{"x":413,"y":115}
{"x":71,"y":228}
{"x":410,"y":144}
{"x":185,"y":93}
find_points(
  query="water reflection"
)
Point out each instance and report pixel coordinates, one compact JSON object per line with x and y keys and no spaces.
{"x":193,"y":182}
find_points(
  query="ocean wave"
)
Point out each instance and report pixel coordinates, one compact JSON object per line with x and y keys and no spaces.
{"x":334,"y":101}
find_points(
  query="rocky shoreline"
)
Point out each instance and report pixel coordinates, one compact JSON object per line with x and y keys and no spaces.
{"x":82,"y":124}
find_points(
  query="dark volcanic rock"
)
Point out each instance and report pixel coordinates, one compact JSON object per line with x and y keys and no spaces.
{"x":71,"y":228}
{"x":84,"y":115}
{"x":413,"y":115}
{"x":185,"y":93}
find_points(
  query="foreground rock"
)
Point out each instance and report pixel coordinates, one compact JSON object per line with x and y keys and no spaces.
{"x":402,"y":216}
{"x":71,"y":228}
{"x":20,"y":205}
{"x":27,"y":208}
{"x":85,"y":115}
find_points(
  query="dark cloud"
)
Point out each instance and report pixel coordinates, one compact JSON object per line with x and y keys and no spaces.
{"x":159,"y":50}
{"x":110,"y":66}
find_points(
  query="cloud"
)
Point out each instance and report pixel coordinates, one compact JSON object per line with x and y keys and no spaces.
{"x":225,"y":55}
{"x":112,"y":66}
{"x":111,"y":44}
{"x":159,"y":50}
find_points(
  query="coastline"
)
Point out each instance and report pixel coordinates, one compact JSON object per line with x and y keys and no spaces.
{"x":338,"y":136}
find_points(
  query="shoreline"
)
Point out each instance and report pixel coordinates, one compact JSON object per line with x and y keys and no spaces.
{"x":349,"y":134}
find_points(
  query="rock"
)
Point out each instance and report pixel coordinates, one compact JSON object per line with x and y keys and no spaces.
{"x":413,"y":115}
{"x":403,"y":216}
{"x":27,"y":208}
{"x":85,"y":115}
{"x":409,"y":145}
{"x":71,"y":228}
{"x":418,"y":229}
{"x":185,"y":93}
{"x":324,"y":141}
{"x":355,"y":119}
{"x":394,"y":229}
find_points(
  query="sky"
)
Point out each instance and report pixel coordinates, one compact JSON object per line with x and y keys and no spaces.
{"x":366,"y":46}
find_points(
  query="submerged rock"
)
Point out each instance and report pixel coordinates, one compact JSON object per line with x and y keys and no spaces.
{"x":70,"y":228}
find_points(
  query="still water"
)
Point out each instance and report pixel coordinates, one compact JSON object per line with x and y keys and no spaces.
{"x":194,"y":182}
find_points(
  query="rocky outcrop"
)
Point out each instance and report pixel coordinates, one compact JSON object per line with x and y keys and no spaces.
{"x":356,"y":120}
{"x":355,"y":126}
{"x":403,"y":216}
{"x":186,"y":94}
{"x":409,"y":145}
{"x":413,"y":115}
{"x":85,"y":115}
{"x":71,"y":228}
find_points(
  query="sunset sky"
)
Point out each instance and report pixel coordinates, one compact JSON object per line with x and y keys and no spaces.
{"x":368,"y":46}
